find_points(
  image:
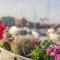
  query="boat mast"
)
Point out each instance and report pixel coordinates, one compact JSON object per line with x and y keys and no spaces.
{"x":48,"y":8}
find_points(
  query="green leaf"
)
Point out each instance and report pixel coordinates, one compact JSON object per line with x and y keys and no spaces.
{"x":35,"y":53}
{"x":58,"y":51}
{"x":51,"y":58}
{"x":6,"y":45}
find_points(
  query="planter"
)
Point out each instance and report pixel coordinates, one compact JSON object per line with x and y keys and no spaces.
{"x":7,"y":55}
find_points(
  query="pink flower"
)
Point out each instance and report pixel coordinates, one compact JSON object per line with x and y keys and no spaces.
{"x":53,"y":54}
{"x":49,"y":49}
{"x":58,"y":45}
{"x":2,"y":29}
{"x":57,"y":57}
{"x":54,"y":49}
{"x":36,"y":42}
{"x":10,"y":38}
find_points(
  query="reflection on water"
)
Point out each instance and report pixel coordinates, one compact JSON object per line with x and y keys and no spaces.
{"x":42,"y":34}
{"x":43,"y":38}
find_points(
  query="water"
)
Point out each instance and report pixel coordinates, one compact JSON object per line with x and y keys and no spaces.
{"x":43,"y":38}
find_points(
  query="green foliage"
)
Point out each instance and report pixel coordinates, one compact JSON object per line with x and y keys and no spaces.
{"x":39,"y":53}
{"x":6,"y":45}
{"x":47,"y":44}
{"x":42,"y":55}
{"x":58,"y":51}
{"x":35,"y":53}
{"x":51,"y":58}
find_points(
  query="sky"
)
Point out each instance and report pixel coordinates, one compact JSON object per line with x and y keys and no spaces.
{"x":33,"y":10}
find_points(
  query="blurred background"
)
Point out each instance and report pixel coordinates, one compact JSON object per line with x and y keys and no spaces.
{"x":31,"y":9}
{"x":39,"y":15}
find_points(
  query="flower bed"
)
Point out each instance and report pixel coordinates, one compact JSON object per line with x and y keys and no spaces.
{"x":29,"y":47}
{"x":17,"y":45}
{"x":48,"y":50}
